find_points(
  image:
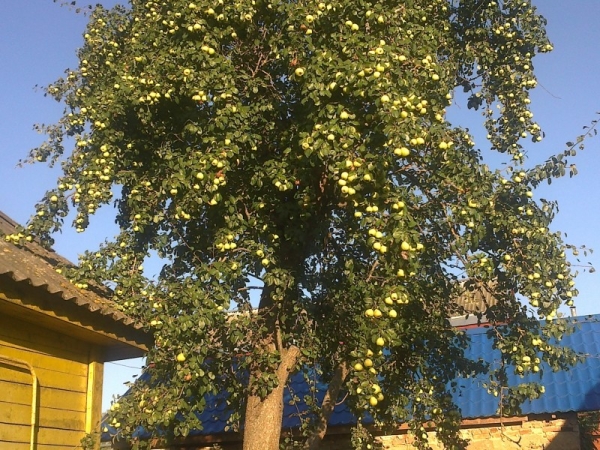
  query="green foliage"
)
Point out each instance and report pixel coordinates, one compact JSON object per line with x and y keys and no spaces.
{"x":362,"y":439}
{"x":301,"y":149}
{"x":90,"y":441}
{"x":588,"y":428}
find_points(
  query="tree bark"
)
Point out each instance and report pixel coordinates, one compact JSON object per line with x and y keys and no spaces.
{"x":262,"y":426}
{"x":314,"y":440}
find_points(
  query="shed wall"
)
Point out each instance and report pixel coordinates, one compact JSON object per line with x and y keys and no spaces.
{"x":62,"y":365}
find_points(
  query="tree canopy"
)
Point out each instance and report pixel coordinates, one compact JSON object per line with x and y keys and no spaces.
{"x":300,"y":150}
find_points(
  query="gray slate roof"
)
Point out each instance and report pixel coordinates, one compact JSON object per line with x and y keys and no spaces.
{"x":36,"y":265}
{"x":33,"y":266}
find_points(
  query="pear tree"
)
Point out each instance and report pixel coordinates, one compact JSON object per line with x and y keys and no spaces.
{"x":292,"y":166}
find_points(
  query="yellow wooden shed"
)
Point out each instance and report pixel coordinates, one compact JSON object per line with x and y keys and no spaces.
{"x":54,"y":340}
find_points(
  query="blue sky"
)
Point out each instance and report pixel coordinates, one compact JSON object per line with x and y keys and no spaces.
{"x":38,"y":41}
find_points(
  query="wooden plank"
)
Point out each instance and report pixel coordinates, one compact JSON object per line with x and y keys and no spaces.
{"x":14,"y":433}
{"x":11,"y":413}
{"x":63,"y":400}
{"x":55,"y":380}
{"x":27,"y":335}
{"x":44,"y":360}
{"x":60,"y":437}
{"x":15,"y":414}
{"x":25,"y":446}
{"x":47,"y":379}
{"x":18,"y":393}
{"x":15,"y":446}
{"x":49,"y":398}
{"x":94,"y":392}
{"x":14,"y":374}
{"x":54,"y":436}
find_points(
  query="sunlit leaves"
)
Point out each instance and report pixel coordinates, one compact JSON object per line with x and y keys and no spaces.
{"x":300,"y":150}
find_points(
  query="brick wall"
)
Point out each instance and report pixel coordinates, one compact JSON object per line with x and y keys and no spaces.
{"x":533,"y":433}
{"x":544,"y":432}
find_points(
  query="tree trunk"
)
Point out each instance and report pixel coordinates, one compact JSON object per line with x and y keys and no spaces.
{"x":314,"y":440}
{"x":262,"y":426}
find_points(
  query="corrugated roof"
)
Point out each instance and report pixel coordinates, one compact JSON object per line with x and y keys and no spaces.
{"x":35,"y":265}
{"x":577,"y":389}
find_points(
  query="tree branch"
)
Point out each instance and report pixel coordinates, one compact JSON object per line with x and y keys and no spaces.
{"x":327,"y":407}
